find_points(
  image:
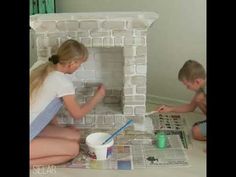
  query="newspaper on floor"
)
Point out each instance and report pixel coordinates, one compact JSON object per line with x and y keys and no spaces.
{"x":148,"y":156}
{"x":121,"y":159}
{"x":128,"y":157}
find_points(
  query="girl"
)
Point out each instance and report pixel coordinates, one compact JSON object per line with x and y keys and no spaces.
{"x":49,"y":90}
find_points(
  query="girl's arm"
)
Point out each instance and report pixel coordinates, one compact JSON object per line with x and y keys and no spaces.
{"x":78,"y":111}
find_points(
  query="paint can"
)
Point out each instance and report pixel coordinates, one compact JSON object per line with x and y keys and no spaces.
{"x":161,"y":140}
{"x":96,"y":149}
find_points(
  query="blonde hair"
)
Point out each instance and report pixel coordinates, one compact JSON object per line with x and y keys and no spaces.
{"x":69,"y":51}
{"x":191,"y":70}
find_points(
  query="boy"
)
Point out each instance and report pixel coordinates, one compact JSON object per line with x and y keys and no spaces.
{"x":193,"y":76}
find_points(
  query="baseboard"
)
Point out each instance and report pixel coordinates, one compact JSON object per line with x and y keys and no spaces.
{"x":164,"y":100}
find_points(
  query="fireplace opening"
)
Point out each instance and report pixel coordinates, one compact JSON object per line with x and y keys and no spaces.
{"x":104,"y":66}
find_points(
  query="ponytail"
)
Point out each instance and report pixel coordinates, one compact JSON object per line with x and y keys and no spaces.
{"x":38,"y":75}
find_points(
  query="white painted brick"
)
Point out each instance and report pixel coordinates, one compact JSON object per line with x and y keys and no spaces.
{"x":128,"y":110}
{"x":53,"y":41}
{"x":97,"y":33}
{"x":86,"y":41}
{"x":141,"y":69}
{"x":63,"y":38}
{"x":141,"y":90}
{"x":96,"y":42}
{"x":135,"y":41}
{"x":71,"y":35}
{"x":129,"y":70}
{"x":137,"y":24}
{"x":140,"y":33}
{"x":54,"y":50}
{"x":138,"y":80}
{"x":108,"y":42}
{"x":134,"y":103}
{"x":129,"y":41}
{"x":118,"y":41}
{"x":127,"y":81}
{"x":43,"y":53}
{"x":140,"y":50}
{"x":135,"y":98}
{"x":128,"y":91}
{"x":140,"y":110}
{"x":42,"y":42}
{"x":68,"y":25}
{"x":129,"y":61}
{"x":129,"y":51}
{"x":113,"y":25}
{"x":83,"y":34}
{"x":141,"y":60}
{"x":47,"y":26}
{"x":90,"y":24}
{"x":120,"y":33}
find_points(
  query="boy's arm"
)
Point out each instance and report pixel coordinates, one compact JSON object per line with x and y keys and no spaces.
{"x":178,"y":109}
{"x":185,"y":107}
{"x":200,"y":100}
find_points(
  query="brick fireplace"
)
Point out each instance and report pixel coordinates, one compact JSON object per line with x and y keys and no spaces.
{"x":117,"y":44}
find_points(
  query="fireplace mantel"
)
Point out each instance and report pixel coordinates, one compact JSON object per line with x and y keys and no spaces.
{"x":147,"y":18}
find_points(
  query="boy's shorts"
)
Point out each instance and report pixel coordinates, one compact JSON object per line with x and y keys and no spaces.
{"x":202,"y":126}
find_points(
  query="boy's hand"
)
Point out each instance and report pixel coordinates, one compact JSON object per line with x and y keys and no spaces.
{"x":200,"y":98}
{"x":163,"y":109}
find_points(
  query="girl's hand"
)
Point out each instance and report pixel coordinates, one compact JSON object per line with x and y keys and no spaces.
{"x":100,"y":92}
{"x":163,"y":109}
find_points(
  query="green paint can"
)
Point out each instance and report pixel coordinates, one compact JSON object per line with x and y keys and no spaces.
{"x":161,"y":140}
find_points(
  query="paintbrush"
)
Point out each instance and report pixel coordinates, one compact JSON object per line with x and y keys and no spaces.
{"x":117,"y":132}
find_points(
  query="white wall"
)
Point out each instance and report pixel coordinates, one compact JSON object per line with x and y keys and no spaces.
{"x":178,"y":35}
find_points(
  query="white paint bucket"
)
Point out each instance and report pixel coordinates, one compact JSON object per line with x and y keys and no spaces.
{"x":96,"y":149}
